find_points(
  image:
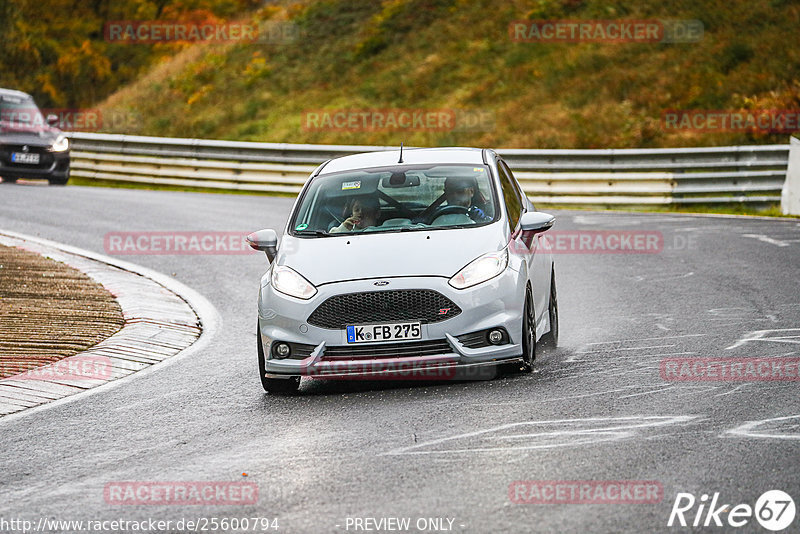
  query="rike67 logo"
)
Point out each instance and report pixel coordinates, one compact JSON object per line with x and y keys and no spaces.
{"x":774,"y":510}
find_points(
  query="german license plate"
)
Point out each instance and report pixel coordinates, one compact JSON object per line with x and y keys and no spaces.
{"x":25,"y":157}
{"x":375,"y":333}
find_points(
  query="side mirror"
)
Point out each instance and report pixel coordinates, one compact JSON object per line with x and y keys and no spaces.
{"x":536,"y":221}
{"x":52,"y":119}
{"x":265,"y":241}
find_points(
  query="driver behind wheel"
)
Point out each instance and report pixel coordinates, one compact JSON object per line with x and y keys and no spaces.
{"x":461,"y":191}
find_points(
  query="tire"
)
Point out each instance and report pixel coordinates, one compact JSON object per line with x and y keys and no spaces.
{"x":53,"y":181}
{"x":280,"y":386}
{"x":9,"y":179}
{"x":528,"y":333}
{"x":550,"y":339}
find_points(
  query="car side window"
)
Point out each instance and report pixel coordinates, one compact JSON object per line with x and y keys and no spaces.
{"x":510,"y":196}
{"x":522,"y":196}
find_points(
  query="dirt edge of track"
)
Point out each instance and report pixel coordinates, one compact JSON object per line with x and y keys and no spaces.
{"x":49,"y":311}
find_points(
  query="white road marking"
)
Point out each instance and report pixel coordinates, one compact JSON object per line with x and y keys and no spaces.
{"x":767,"y":239}
{"x":616,"y":373}
{"x":701,"y":388}
{"x":644,"y":339}
{"x":626,"y":348}
{"x":609,"y":429}
{"x":646,"y":392}
{"x":662,"y":278}
{"x":760,"y":335}
{"x":571,"y":397}
{"x":728,"y":312}
{"x":734,"y":390}
{"x":640,"y":356}
{"x":620,"y":219}
{"x":750,"y":429}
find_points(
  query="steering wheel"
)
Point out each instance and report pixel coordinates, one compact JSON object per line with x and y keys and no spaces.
{"x":446,"y":210}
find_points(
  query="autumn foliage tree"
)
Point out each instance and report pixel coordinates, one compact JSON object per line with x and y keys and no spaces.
{"x":55,"y":49}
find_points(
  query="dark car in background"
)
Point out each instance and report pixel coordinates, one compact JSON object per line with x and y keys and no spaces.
{"x":30,"y":146}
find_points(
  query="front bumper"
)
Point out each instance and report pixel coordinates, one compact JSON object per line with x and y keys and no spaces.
{"x":53,"y":165}
{"x":497,"y":303}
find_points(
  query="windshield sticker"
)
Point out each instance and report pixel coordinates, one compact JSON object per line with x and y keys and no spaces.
{"x":301,"y":227}
{"x":351,"y":185}
{"x":478,"y":169}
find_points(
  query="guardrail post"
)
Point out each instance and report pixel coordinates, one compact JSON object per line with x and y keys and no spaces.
{"x":790,"y":197}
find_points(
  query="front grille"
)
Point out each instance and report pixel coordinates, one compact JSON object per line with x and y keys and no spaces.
{"x":388,"y":350}
{"x":423,"y":305}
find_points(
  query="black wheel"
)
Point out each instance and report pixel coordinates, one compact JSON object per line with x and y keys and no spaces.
{"x":528,"y":334}
{"x":60,"y":181}
{"x":9,"y":179}
{"x":284,"y":386}
{"x":550,"y":339}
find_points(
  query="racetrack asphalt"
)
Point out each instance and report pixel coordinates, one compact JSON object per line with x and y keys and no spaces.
{"x":597,"y":408}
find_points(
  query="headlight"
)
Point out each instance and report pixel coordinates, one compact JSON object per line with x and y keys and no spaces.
{"x":287,"y":281}
{"x":480,"y":270}
{"x":61,"y":144}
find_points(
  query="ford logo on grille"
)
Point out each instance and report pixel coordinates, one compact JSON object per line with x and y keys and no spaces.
{"x":381,"y":283}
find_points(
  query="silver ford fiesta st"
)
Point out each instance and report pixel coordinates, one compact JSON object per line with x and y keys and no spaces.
{"x":409,"y":264}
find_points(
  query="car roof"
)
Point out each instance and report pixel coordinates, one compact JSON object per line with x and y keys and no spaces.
{"x":411,"y":156}
{"x":14,"y":94}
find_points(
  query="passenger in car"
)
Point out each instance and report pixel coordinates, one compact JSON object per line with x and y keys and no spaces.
{"x":360,"y":212}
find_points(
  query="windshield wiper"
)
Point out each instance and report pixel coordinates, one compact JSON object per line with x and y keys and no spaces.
{"x":316,"y":233}
{"x":416,"y":226}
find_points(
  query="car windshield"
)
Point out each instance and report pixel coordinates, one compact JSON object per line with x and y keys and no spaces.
{"x":403,"y":198}
{"x":21,"y":111}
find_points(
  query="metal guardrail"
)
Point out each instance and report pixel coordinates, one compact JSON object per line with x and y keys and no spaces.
{"x":596,"y":177}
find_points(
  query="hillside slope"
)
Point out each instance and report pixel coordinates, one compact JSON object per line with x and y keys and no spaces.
{"x":445,"y":56}
{"x":59,"y":51}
